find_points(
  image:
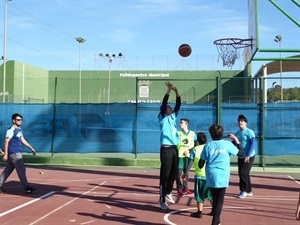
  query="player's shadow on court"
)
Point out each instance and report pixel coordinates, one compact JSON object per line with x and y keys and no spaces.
{"x":260,"y":208}
{"x":267,"y":186}
{"x":16,"y":188}
{"x":105,"y":172}
{"x":147,"y":186}
{"x":134,"y":188}
{"x":112,"y":217}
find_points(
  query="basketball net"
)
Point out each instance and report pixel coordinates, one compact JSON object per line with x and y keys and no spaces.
{"x":229,"y":49}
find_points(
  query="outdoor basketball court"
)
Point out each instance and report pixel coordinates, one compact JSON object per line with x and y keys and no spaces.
{"x":118,"y":195}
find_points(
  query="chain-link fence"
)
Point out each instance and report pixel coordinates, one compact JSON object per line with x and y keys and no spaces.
{"x":131,"y":125}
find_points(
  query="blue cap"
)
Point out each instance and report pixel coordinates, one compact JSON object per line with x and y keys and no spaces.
{"x":242,"y":117}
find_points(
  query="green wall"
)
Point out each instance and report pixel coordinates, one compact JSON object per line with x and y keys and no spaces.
{"x":194,"y":86}
{"x":25,"y":83}
{"x":28,"y":82}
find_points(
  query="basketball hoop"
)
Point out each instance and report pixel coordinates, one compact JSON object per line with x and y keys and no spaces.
{"x":229,"y":49}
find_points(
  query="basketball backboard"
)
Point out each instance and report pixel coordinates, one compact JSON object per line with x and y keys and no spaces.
{"x":252,"y":29}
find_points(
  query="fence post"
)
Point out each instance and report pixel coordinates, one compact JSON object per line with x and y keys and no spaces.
{"x":262,"y":119}
{"x":219,"y":98}
{"x":136,"y":118}
{"x":54,"y":118}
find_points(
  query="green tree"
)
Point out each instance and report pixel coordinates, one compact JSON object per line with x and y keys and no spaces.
{"x":289,"y":94}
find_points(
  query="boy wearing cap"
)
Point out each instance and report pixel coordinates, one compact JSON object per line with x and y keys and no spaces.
{"x":246,"y":137}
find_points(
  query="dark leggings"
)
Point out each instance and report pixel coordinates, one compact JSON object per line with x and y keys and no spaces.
{"x":218,"y":195}
{"x":182,"y":185}
{"x":244,"y":174}
{"x":168,"y":170}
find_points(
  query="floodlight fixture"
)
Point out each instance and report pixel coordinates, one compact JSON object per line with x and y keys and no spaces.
{"x":80,"y":40}
{"x":278,"y":38}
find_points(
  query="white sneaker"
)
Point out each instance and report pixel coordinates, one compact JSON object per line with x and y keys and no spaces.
{"x":249,"y":193}
{"x":242,"y":194}
{"x":170,"y":198}
{"x":163,"y":205}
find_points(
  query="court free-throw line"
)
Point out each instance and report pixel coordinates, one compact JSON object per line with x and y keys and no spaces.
{"x":166,"y":217}
{"x":27,"y":203}
{"x":62,"y":206}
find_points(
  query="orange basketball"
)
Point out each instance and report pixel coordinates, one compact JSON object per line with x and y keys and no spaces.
{"x":184,"y":50}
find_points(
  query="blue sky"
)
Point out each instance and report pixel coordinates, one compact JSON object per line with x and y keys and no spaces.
{"x":148,"y":32}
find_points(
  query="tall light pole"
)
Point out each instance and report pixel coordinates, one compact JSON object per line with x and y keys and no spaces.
{"x":278,"y":39}
{"x":110,"y":60}
{"x":4,"y":51}
{"x":80,"y":40}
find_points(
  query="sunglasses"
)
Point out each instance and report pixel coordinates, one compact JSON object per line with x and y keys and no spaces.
{"x":19,"y":119}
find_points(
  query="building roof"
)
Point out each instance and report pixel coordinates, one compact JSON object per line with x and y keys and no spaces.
{"x":274,"y":67}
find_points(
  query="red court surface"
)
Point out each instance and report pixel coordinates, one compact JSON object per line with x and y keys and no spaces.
{"x":122,"y":195}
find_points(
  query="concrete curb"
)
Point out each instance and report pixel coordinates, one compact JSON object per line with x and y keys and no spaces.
{"x":148,"y":161}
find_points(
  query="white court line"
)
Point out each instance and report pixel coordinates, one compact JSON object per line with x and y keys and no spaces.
{"x":277,"y":198}
{"x":92,"y":221}
{"x":62,"y":206}
{"x":291,"y":198}
{"x":292,"y":178}
{"x":58,"y":181}
{"x":166,"y":217}
{"x":107,"y":206}
{"x":27,"y":203}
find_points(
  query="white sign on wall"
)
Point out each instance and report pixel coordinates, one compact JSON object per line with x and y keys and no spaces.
{"x":144,"y":88}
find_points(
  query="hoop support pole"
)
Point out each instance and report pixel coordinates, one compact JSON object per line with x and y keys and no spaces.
{"x":275,"y":59}
{"x":279,"y":50}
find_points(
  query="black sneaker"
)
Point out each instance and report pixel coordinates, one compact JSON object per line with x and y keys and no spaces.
{"x":30,"y":190}
{"x":2,"y":190}
{"x":196,"y":214}
{"x":210,"y":214}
